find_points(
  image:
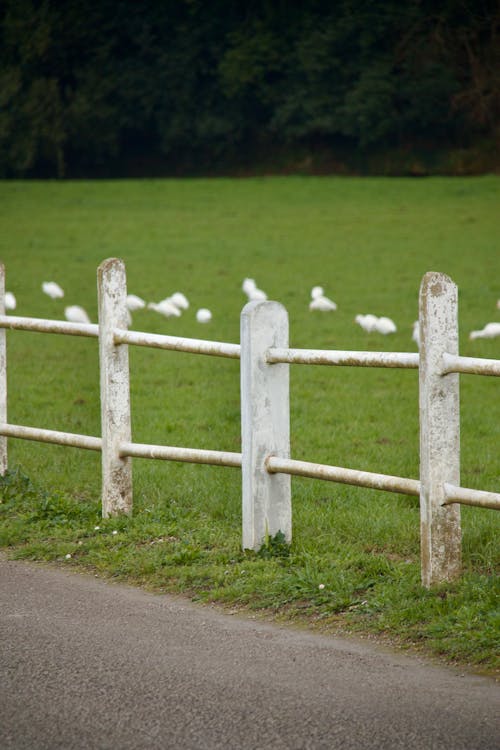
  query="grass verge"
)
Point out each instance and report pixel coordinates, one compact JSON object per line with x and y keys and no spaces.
{"x":352,"y":587}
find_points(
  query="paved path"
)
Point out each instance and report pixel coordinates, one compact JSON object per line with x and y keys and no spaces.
{"x":89,"y":664}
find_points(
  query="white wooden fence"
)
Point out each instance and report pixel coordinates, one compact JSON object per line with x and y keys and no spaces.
{"x":265,"y":425}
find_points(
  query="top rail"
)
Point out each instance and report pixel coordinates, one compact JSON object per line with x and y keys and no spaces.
{"x":466,"y":496}
{"x":408,"y":360}
{"x":275,"y":464}
{"x":177,"y":343}
{"x":49,"y":326}
{"x":174,"y":453}
{"x":122,"y":336}
{"x":472,"y":365}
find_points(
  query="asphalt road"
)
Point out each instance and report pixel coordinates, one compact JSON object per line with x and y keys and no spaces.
{"x":90,"y":664}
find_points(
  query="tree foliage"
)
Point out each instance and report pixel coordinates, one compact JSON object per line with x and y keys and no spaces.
{"x":85,"y":85}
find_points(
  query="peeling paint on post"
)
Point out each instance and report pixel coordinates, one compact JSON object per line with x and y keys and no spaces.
{"x":3,"y":375}
{"x":115,"y":389}
{"x":439,"y":431}
{"x":265,"y":424}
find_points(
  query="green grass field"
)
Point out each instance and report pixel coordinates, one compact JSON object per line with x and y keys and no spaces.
{"x":368,"y":242}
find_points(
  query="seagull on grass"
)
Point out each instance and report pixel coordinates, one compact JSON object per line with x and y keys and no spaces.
{"x":52,"y":289}
{"x":319,"y":301}
{"x":385,"y":326}
{"x":367,"y":322}
{"x":76,"y":314}
{"x":166,"y":308}
{"x":179,"y":300}
{"x":370,"y":323}
{"x":203,"y":315}
{"x":252,"y":291}
{"x":134,"y":302}
{"x":10,"y":301}
{"x":490,"y":331}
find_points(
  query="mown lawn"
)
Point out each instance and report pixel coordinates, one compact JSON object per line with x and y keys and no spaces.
{"x":368,"y":242}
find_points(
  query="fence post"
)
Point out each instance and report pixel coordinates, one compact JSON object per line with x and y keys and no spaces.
{"x":3,"y":376}
{"x":265,"y":424}
{"x":440,"y":532}
{"x":115,"y":389}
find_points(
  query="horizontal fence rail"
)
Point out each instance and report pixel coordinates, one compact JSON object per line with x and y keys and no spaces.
{"x":342,"y":358}
{"x":470,"y":365}
{"x":177,"y":343}
{"x":264,"y":460}
{"x":465,"y":496}
{"x":40,"y":325}
{"x":51,"y":436}
{"x":344,"y":476}
{"x":188,"y":455}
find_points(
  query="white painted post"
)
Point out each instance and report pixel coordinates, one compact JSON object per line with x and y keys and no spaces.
{"x":439,"y":431}
{"x":115,"y":389}
{"x":3,"y":375}
{"x":265,"y":424}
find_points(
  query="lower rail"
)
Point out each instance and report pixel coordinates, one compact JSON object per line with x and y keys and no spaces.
{"x":370,"y":479}
{"x":466,"y":496}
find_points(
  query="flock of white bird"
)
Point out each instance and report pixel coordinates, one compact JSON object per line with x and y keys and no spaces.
{"x":168,"y":307}
{"x":177,"y":303}
{"x":369,"y":322}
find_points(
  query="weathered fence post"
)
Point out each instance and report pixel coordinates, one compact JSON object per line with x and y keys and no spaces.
{"x":3,"y":376}
{"x":115,"y":389}
{"x":265,"y":424}
{"x":439,"y":431}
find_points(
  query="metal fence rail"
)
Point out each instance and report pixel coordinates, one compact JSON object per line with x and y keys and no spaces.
{"x":265,"y":420}
{"x":177,"y":343}
{"x":470,"y":365}
{"x":344,"y":476}
{"x":13,"y":322}
{"x":188,"y":455}
{"x":466,"y":496}
{"x":51,"y":436}
{"x":342,"y":358}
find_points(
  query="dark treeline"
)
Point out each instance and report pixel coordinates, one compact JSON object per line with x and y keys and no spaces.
{"x":105,"y":87}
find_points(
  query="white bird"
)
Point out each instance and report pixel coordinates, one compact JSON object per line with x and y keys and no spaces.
{"x":371,"y":323}
{"x":416,"y":333}
{"x":367,"y":322}
{"x":385,"y":326}
{"x":257,"y":295}
{"x":134,"y":302}
{"x":179,"y":300}
{"x":490,"y":331}
{"x":76,"y":314}
{"x":10,"y":301}
{"x":322,"y":303}
{"x":52,"y":289}
{"x":248,"y":286}
{"x":203,"y":315}
{"x":251,"y":290}
{"x":319,"y":301}
{"x":166,"y":308}
{"x":317,"y":291}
